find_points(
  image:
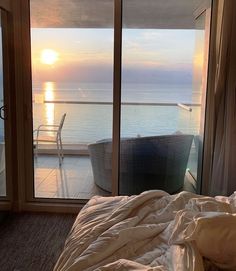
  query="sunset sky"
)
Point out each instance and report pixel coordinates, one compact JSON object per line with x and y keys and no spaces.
{"x":86,"y":55}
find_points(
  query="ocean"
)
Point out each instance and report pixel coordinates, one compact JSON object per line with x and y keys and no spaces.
{"x":89,"y":109}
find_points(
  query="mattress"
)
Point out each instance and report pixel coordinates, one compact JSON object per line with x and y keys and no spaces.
{"x":152,"y":231}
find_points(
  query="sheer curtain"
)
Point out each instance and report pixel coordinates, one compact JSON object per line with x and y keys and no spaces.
{"x":221,"y":122}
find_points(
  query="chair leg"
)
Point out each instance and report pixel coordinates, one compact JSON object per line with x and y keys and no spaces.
{"x":36,"y":149}
{"x":61,"y":147}
{"x":59,"y":153}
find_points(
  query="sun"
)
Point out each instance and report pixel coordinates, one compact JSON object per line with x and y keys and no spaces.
{"x":48,"y":56}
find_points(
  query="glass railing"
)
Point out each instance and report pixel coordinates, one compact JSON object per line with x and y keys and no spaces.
{"x":87,"y":122}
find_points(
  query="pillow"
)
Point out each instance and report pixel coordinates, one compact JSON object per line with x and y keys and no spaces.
{"x":213,"y":232}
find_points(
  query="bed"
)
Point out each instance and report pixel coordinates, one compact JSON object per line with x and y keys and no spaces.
{"x":153,"y":231}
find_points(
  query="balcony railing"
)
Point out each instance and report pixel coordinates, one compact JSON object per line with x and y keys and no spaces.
{"x":89,"y":121}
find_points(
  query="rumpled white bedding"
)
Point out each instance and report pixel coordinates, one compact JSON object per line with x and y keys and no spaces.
{"x":153,"y":231}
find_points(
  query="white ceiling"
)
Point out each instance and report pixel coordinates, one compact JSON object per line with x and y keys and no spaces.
{"x":160,"y":14}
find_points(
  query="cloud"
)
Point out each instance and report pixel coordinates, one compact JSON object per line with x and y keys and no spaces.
{"x":104,"y":73}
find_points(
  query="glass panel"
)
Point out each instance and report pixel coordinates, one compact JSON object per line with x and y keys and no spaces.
{"x":72,"y":70}
{"x":2,"y":131}
{"x":199,"y":86}
{"x":161,"y":102}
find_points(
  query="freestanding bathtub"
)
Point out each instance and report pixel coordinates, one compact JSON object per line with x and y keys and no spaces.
{"x":157,"y":162}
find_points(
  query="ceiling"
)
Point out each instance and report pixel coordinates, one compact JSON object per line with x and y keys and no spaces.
{"x":160,"y":14}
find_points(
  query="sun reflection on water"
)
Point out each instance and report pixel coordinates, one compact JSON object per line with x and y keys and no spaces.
{"x":49,"y":88}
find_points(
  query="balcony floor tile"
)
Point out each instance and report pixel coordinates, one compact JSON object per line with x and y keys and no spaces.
{"x":73,"y":180}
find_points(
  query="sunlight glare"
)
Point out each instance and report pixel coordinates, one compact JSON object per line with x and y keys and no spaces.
{"x":49,"y":88}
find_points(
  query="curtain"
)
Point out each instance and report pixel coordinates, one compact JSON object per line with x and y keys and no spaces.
{"x":220,"y":128}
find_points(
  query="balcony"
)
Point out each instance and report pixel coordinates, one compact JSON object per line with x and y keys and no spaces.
{"x":74,"y":179}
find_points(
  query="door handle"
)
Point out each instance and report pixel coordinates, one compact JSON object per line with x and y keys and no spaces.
{"x":2,"y":112}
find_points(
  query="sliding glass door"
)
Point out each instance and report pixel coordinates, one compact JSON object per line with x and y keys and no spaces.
{"x":162,"y":115}
{"x":72,"y":73}
{"x":6,"y":102}
{"x":200,"y":67}
{"x":118,"y":98}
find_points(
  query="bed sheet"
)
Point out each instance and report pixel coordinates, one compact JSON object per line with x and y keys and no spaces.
{"x":150,"y":231}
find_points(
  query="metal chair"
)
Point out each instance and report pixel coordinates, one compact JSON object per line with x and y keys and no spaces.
{"x":42,"y":136}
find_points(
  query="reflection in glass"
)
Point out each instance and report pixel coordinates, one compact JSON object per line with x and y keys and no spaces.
{"x":49,"y":97}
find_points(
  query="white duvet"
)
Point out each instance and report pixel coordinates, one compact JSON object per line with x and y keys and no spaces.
{"x":153,"y":231}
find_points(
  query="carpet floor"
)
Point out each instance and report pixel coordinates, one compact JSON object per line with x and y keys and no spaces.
{"x":33,"y":241}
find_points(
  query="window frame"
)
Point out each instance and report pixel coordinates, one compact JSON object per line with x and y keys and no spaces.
{"x":23,"y":195}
